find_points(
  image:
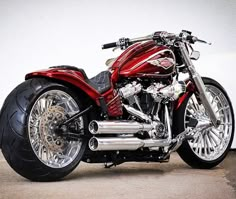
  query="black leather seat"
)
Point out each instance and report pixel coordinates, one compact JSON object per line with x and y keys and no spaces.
{"x":101,"y":82}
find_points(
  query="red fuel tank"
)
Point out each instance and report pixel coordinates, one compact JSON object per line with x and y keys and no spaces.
{"x":145,"y":59}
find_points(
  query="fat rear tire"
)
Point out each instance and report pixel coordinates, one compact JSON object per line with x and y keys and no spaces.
{"x":16,"y":146}
{"x":185,"y":152}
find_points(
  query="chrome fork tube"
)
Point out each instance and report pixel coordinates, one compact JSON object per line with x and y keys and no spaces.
{"x":167,"y":121}
{"x":199,"y":84}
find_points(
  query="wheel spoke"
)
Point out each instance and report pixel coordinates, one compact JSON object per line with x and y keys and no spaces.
{"x":40,"y":150}
{"x":226,"y":124}
{"x":215,"y":133}
{"x":214,"y":99}
{"x":213,"y":142}
{"x":196,"y":141}
{"x":211,"y":136}
{"x":194,"y":105}
{"x":49,"y":109}
{"x":205,"y":145}
{"x":202,"y":146}
{"x":222,"y":109}
{"x":199,"y":144}
{"x":209,"y":145}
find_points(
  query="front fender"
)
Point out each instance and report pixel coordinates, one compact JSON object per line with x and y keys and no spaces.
{"x":73,"y":77}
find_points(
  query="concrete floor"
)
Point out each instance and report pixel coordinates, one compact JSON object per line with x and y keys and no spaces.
{"x":130,"y":180}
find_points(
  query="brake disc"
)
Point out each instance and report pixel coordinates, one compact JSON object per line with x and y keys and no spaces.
{"x":48,"y":122}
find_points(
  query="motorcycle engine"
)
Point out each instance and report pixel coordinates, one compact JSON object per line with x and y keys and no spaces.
{"x":172,"y":92}
{"x":142,"y":101}
{"x":158,"y":91}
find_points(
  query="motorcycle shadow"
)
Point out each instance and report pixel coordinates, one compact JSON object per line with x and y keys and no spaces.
{"x":126,"y":169}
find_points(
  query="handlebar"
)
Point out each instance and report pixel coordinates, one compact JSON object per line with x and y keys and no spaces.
{"x":109,"y":45}
{"x":193,"y":39}
{"x":160,"y":36}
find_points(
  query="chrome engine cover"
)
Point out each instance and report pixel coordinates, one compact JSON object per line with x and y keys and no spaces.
{"x":172,"y":92}
{"x":130,"y":89}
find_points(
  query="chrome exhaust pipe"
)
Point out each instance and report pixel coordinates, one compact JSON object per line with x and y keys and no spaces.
{"x":131,"y":143}
{"x":117,"y":127}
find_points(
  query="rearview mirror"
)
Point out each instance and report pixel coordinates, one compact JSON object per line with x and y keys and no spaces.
{"x":195,"y":55}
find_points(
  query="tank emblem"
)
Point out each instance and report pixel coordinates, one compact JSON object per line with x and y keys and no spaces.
{"x":165,"y":62}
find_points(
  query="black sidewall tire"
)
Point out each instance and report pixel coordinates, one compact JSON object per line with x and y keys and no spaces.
{"x":16,"y":146}
{"x":185,"y":152}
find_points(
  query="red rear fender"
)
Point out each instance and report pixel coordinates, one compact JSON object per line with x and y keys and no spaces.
{"x":73,"y":77}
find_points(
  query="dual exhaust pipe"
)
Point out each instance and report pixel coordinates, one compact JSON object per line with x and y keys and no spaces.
{"x":128,"y":142}
{"x":117,"y":127}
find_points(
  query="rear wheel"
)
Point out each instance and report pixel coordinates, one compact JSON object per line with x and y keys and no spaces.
{"x":212,"y":144}
{"x":31,"y":145}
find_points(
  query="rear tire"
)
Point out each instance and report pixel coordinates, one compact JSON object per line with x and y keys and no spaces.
{"x":190,"y":151}
{"x":18,"y":145}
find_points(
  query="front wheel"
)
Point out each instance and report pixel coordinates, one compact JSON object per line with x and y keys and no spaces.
{"x":29,"y":118}
{"x":212,"y":144}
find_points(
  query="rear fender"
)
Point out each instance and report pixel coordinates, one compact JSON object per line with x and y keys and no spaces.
{"x":76,"y":78}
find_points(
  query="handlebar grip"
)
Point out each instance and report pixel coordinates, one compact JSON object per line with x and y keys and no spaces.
{"x":109,"y":45}
{"x":191,"y":39}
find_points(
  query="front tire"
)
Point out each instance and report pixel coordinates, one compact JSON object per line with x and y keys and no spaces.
{"x":211,"y":146}
{"x":28,"y":117}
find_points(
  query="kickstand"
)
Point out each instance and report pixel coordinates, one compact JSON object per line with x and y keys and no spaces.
{"x":108,"y":166}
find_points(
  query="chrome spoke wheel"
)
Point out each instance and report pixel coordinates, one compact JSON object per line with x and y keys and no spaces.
{"x":211,"y":142}
{"x":51,"y":108}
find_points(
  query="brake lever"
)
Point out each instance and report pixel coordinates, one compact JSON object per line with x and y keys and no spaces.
{"x":202,"y":41}
{"x":195,"y":39}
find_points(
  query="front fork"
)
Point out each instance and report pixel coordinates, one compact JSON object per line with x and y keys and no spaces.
{"x":199,"y":85}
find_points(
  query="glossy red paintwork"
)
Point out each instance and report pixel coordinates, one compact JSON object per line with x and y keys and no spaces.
{"x":189,"y":90}
{"x":124,"y":57}
{"x":74,"y":77}
{"x":114,"y":103}
{"x":131,"y":63}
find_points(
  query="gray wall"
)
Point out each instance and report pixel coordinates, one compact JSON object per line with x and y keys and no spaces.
{"x":37,"y":34}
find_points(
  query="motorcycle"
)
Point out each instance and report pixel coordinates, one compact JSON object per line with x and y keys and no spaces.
{"x":137,"y":110}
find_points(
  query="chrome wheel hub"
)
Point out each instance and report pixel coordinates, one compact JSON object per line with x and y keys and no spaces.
{"x":210,"y":142}
{"x":49,"y":110}
{"x":49,"y":120}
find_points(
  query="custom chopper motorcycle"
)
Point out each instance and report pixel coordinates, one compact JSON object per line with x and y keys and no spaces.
{"x":138,"y":110}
